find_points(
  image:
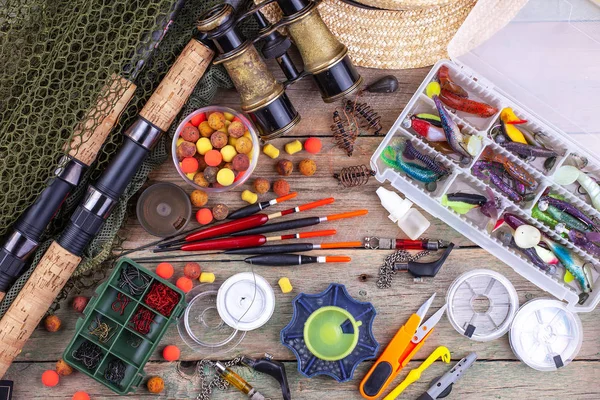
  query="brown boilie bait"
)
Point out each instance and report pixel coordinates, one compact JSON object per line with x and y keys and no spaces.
{"x":369,"y":118}
{"x":356,"y":175}
{"x":344,"y":135}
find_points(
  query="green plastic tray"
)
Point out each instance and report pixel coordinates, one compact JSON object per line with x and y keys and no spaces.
{"x":119,"y":345}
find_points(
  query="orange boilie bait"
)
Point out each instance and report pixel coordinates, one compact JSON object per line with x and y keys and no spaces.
{"x":448,"y":84}
{"x":469,"y":106}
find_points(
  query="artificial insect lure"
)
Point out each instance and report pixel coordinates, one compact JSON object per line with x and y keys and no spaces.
{"x":426,"y":129}
{"x":571,"y":264}
{"x":392,"y":157}
{"x":527,"y":150}
{"x":485,"y":170}
{"x":454,"y":136}
{"x":466,"y":105}
{"x":516,"y":171}
{"x":411,"y":153}
{"x":448,"y":84}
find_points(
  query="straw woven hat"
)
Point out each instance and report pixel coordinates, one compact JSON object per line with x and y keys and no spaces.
{"x":397,"y":34}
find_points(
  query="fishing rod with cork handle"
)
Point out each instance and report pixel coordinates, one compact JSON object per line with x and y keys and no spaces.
{"x":88,"y":137}
{"x":64,"y":255}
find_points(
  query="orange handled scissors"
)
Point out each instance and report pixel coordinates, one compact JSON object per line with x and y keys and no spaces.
{"x":401,"y":349}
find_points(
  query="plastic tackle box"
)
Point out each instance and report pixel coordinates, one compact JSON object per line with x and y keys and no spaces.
{"x":543,"y":63}
{"x":123,"y":342}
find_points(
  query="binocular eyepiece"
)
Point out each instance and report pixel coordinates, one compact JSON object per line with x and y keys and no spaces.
{"x":263,"y":97}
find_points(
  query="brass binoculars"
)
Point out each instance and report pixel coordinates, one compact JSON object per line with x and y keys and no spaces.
{"x":263,"y":97}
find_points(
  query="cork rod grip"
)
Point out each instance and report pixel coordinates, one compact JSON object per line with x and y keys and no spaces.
{"x":32,"y":302}
{"x":91,"y":133}
{"x":175,"y":88}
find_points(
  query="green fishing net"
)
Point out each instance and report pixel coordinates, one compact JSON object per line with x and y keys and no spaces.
{"x":56,"y":57}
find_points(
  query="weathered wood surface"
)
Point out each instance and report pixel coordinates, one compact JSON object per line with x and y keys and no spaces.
{"x":498,"y":374}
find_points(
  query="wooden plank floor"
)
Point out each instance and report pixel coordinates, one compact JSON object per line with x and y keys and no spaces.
{"x":498,"y":374}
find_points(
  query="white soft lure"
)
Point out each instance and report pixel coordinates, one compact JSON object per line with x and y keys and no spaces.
{"x":568,"y":174}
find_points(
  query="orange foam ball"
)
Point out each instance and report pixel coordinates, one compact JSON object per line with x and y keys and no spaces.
{"x":164,"y":270}
{"x":50,"y":378}
{"x":80,"y":396}
{"x":185,"y":284}
{"x":197,"y":119}
{"x":213,"y":158}
{"x":171,"y":352}
{"x":189,"y":165}
{"x":313,"y":145}
{"x":204,"y":216}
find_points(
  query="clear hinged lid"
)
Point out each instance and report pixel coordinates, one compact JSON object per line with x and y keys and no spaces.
{"x":543,"y":55}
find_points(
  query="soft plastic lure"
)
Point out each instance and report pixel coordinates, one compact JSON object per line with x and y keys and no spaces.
{"x":431,"y":118}
{"x":393,"y":158}
{"x":508,"y":120}
{"x":466,"y":105}
{"x":586,"y":240}
{"x":571,"y":264}
{"x":486,"y":170}
{"x":527,"y":150}
{"x":462,"y":203}
{"x":569,"y":174}
{"x":426,"y":129}
{"x":531,"y":253}
{"x":543,"y":217}
{"x":570,"y":221}
{"x":516,"y":171}
{"x":411,"y":153}
{"x":562,"y":205}
{"x":454,"y":136}
{"x":448,"y":84}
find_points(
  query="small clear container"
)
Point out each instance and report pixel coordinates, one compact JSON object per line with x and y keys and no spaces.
{"x":201,"y":327}
{"x":164,"y":209}
{"x":481,"y":304}
{"x":545,"y":335}
{"x":253,"y":155}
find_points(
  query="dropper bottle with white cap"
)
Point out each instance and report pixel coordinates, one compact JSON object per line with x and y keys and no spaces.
{"x":411,"y":221}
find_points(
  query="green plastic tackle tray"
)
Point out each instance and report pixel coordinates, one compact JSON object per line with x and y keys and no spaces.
{"x":124,"y":343}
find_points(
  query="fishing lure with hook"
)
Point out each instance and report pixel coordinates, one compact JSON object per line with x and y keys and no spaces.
{"x":562,"y":205}
{"x":392,"y":156}
{"x":426,"y":129}
{"x":454,"y":136}
{"x":411,"y":153}
{"x":516,"y":171}
{"x":447,"y":83}
{"x":567,"y":219}
{"x":466,"y":105}
{"x":568,"y":174}
{"x":528,"y":151}
{"x":529,"y":253}
{"x":487,"y":171}
{"x":585,"y":240}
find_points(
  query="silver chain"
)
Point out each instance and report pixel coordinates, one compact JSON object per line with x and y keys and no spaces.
{"x":206,"y":383}
{"x":386,"y":271}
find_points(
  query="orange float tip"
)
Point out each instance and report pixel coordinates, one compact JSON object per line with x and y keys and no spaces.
{"x":349,"y":214}
{"x":337,"y":259}
{"x":316,"y":204}
{"x":327,"y":232}
{"x":286,"y":197}
{"x":340,"y":245}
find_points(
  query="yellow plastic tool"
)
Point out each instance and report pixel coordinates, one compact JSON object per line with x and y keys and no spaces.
{"x":415,"y":374}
